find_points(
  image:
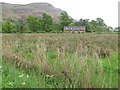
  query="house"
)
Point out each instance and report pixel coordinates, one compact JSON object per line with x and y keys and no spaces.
{"x":79,"y":29}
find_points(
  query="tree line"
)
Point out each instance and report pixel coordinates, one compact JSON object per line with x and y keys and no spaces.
{"x":45,"y":24}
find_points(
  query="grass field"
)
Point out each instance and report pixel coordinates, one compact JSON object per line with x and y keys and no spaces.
{"x":59,"y":61}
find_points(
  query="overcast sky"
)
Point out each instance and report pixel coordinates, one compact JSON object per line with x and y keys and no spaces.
{"x":86,"y":9}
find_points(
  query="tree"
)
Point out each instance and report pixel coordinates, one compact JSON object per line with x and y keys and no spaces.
{"x":65,"y":20}
{"x":100,"y":21}
{"x":117,"y":29}
{"x":8,"y":26}
{"x":93,"y":26}
{"x":84,"y":22}
{"x":34,"y":23}
{"x":20,"y":25}
{"x":47,"y":22}
{"x":110,"y":28}
{"x":56,"y":28}
{"x":98,"y":25}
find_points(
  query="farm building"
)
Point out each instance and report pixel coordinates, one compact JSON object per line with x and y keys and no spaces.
{"x":74,"y":29}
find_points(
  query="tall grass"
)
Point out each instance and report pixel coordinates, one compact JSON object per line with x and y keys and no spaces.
{"x":62,"y":60}
{"x":0,"y":60}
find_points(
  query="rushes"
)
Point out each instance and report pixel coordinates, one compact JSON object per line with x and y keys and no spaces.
{"x":76,"y":61}
{"x":18,"y":61}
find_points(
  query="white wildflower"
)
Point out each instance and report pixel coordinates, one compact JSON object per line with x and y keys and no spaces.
{"x":27,"y":75}
{"x":51,"y":76}
{"x":0,"y":67}
{"x":11,"y":83}
{"x":21,"y":75}
{"x":23,"y":83}
{"x":47,"y":76}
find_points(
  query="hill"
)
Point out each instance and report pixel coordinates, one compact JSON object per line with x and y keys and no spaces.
{"x":32,"y":9}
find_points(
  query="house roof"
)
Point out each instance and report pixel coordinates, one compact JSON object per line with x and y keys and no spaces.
{"x":74,"y":28}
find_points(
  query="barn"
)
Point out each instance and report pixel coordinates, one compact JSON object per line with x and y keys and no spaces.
{"x":79,"y":29}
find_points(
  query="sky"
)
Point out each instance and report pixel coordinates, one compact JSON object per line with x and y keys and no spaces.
{"x":86,"y":9}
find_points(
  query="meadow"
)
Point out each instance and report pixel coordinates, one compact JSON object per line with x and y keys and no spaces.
{"x":59,"y":60}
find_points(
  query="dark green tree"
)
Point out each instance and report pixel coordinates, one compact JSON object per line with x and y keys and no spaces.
{"x":8,"y":26}
{"x":56,"y":28}
{"x":20,"y":25}
{"x":65,"y":20}
{"x":47,"y":22}
{"x":100,"y":21}
{"x":33,"y":23}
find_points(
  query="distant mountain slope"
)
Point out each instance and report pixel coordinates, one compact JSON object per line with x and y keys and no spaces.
{"x":34,"y":9}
